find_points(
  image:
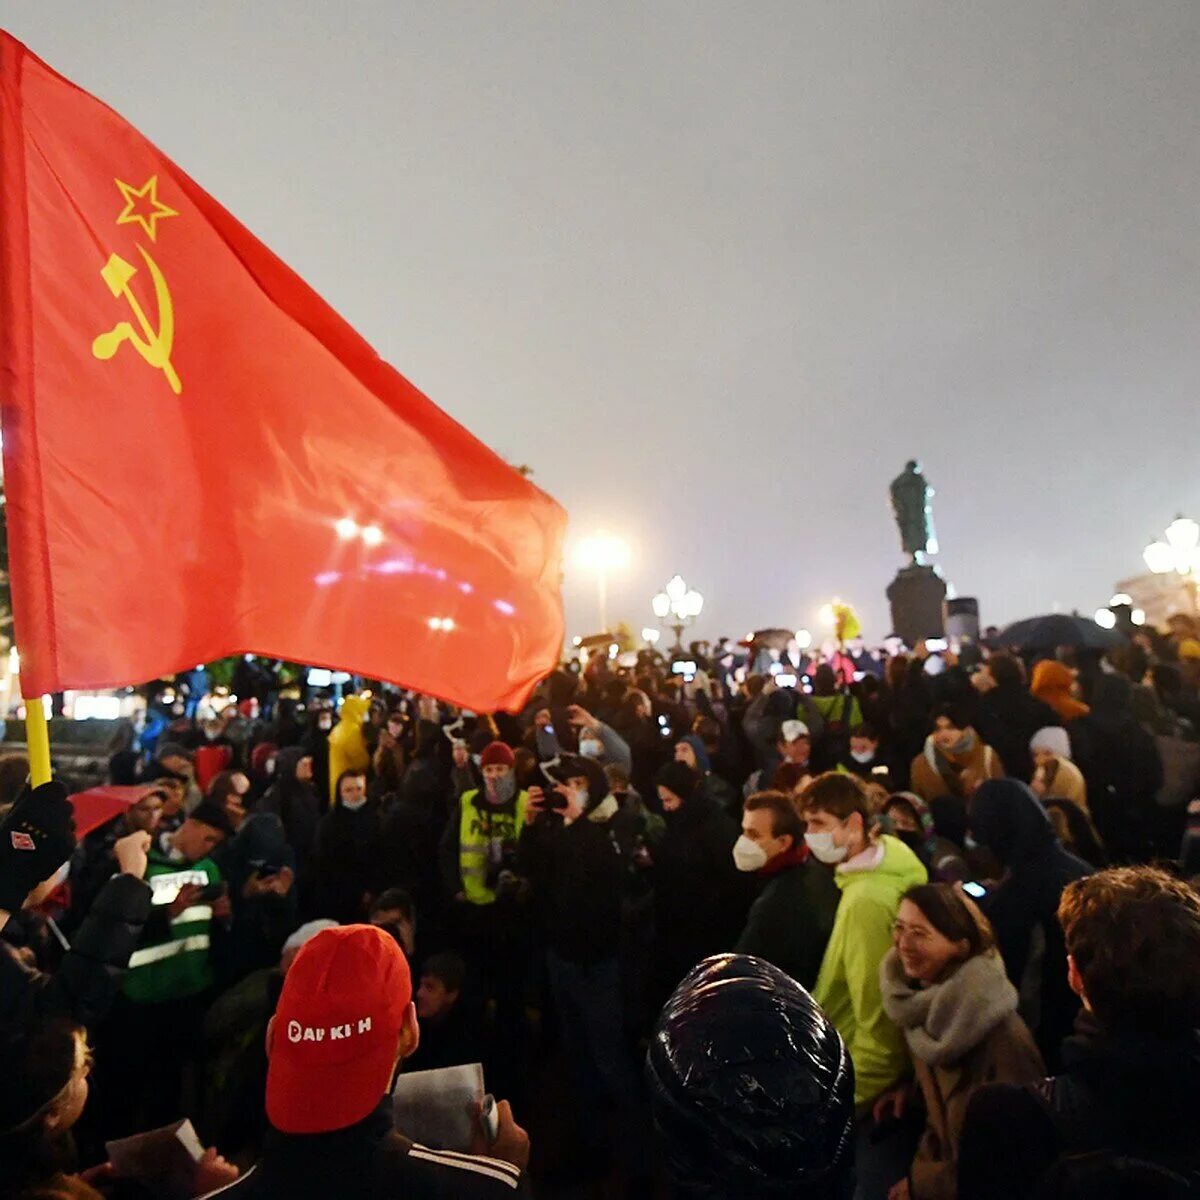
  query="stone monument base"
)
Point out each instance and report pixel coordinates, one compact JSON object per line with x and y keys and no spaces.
{"x":917,"y":597}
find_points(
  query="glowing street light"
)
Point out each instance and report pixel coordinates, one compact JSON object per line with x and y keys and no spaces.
{"x":1180,"y":553}
{"x":1106,"y":618}
{"x":804,"y":639}
{"x":600,"y":554}
{"x":679,"y":603}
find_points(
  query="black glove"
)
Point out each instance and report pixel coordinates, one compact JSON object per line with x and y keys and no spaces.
{"x":36,"y":838}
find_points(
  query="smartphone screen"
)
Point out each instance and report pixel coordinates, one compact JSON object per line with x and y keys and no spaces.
{"x":785,"y":681}
{"x":975,"y":890}
{"x":936,"y":645}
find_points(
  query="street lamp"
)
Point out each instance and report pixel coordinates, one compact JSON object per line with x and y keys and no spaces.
{"x":1179,"y":553}
{"x":679,"y":603}
{"x":600,"y":554}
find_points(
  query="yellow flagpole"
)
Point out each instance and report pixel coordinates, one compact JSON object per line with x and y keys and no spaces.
{"x":37,"y":739}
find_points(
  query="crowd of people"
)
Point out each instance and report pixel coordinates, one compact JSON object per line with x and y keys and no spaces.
{"x":910,"y":927}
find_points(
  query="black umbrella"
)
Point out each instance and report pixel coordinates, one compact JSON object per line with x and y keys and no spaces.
{"x":1058,"y":629}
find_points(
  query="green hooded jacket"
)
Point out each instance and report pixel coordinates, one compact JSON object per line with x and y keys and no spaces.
{"x":848,"y":985}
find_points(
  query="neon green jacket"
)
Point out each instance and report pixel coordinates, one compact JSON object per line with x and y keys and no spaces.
{"x":848,"y":985}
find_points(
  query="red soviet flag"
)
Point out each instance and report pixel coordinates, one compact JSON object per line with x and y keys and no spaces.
{"x":203,"y":459}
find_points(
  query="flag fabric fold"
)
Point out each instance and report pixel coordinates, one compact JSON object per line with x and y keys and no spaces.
{"x":202,"y":458}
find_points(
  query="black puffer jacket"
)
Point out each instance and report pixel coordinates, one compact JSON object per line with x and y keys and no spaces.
{"x":89,"y":977}
{"x":1010,"y":821}
{"x":751,"y":1088}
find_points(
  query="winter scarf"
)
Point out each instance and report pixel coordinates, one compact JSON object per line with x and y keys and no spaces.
{"x":943,"y":1023}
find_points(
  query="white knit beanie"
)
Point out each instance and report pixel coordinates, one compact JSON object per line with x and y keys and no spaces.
{"x":1053,"y":738}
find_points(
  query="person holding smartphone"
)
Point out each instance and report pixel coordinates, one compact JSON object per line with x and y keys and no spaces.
{"x":169,"y":980}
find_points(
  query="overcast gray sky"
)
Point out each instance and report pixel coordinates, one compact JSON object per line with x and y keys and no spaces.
{"x":716,"y":270}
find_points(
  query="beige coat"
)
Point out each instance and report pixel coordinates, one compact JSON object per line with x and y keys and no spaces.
{"x":1007,"y":1055}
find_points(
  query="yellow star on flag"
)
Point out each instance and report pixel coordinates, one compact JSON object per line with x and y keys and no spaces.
{"x":135,"y":213}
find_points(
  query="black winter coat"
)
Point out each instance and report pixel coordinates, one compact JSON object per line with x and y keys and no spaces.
{"x":369,"y":1161}
{"x":1123,"y":771}
{"x":790,"y":922}
{"x":578,"y":877}
{"x":701,"y":898}
{"x":89,"y":977}
{"x":1007,"y":718}
{"x":1128,"y":1095}
{"x":346,"y":862}
{"x":1010,"y":821}
{"x":297,"y":805}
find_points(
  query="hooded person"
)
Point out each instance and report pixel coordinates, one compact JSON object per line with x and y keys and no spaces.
{"x":293,"y":799}
{"x":1052,"y":684}
{"x":1010,"y":821}
{"x":913,"y":823}
{"x":344,"y":1022}
{"x":569,"y":854}
{"x":1006,"y":715}
{"x":1122,"y":767}
{"x":751,"y":1088}
{"x":701,"y":898}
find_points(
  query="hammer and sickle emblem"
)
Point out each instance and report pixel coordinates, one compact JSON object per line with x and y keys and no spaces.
{"x":153,"y":345}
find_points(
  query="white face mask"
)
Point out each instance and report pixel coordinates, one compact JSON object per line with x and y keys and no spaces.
{"x":862,"y":756}
{"x":824,"y":848}
{"x":748,"y":855}
{"x":591,"y":748}
{"x":354,"y":805}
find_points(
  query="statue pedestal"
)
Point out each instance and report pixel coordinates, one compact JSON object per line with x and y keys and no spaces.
{"x":917,"y":597}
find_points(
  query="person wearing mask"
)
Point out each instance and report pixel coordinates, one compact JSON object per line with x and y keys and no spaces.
{"x":913,"y":824}
{"x":863,"y":756}
{"x":346,"y":866}
{"x":790,"y":922}
{"x":1120,"y":1117}
{"x":751,"y":1088}
{"x":700,"y":897}
{"x":344,"y":1023}
{"x":490,"y":923}
{"x":872,"y":871}
{"x":293,"y":799}
{"x":1010,"y":821}
{"x":944,"y":986}
{"x":45,"y":1068}
{"x":1006,"y":715}
{"x":598,"y":741}
{"x":954,"y":763}
{"x":577,"y":876}
{"x":1056,"y":685}
{"x":1122,"y":767}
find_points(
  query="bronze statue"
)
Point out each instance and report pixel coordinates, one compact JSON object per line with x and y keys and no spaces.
{"x":912,"y":507}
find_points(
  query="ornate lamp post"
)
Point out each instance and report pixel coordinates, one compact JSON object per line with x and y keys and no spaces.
{"x":677,"y":606}
{"x":1179,"y":553}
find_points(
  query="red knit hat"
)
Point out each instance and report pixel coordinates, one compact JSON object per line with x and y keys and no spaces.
{"x":498,"y":754}
{"x":337,"y":1025}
